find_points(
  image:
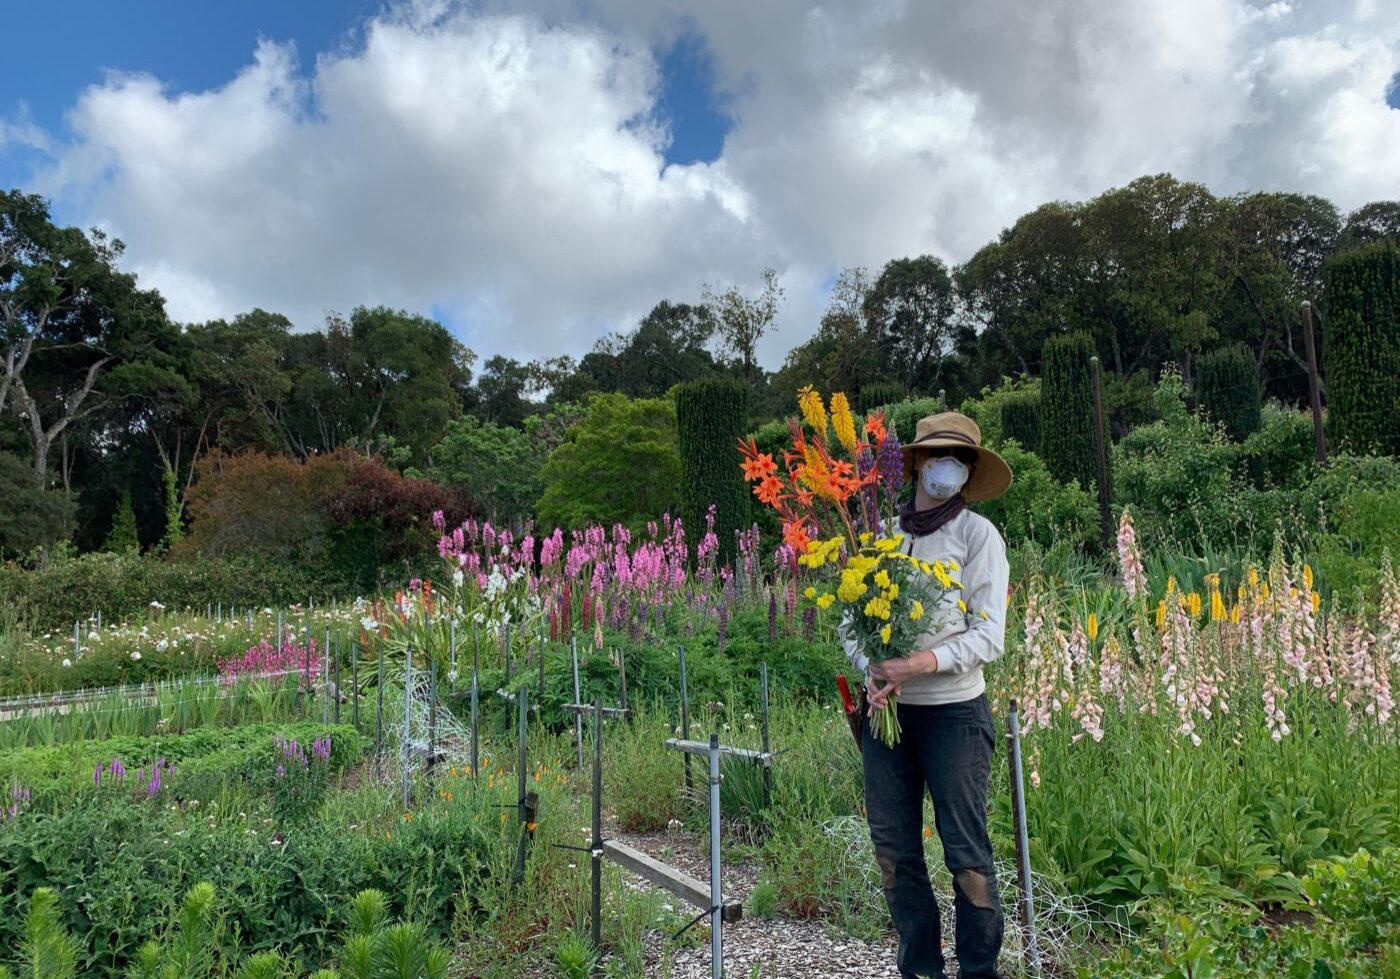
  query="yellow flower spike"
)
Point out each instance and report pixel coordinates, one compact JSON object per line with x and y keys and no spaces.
{"x":1308,"y":577}
{"x":1194,"y":604}
{"x":1217,"y":607}
{"x":1235,"y":615}
{"x":1091,"y":627}
{"x":813,"y":411}
{"x":1253,"y":577}
{"x":916,"y":611}
{"x":842,"y":422}
{"x":1162,"y":614}
{"x":885,"y":635}
{"x":1316,"y":600}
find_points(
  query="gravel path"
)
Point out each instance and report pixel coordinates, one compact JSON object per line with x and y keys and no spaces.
{"x":773,"y":948}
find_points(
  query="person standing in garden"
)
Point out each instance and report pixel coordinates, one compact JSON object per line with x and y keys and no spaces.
{"x":947,"y":732}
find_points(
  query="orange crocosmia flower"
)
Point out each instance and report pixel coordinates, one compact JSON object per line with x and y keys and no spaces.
{"x":759,"y":466}
{"x":770,"y":490}
{"x":875,"y":426}
{"x":804,"y":499}
{"x":795,"y":536}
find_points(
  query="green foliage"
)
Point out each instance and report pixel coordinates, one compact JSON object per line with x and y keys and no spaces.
{"x":711,"y":417}
{"x":174,"y":510}
{"x":1228,"y":389}
{"x":763,"y":900}
{"x":1176,"y":474}
{"x":1020,"y":418}
{"x":576,"y":959}
{"x":1067,"y":410}
{"x":46,"y":949}
{"x":1347,"y":929}
{"x":1038,"y":508}
{"x":32,"y":517}
{"x":53,"y":598}
{"x":878,"y":394}
{"x":620,"y":464}
{"x":122,"y":537}
{"x":903,"y":417}
{"x":496,"y":463}
{"x":1361,"y":348}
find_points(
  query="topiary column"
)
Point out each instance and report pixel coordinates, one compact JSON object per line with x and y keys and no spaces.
{"x":1361,"y":348}
{"x":1067,"y":410}
{"x":1228,"y":389}
{"x":711,"y":417}
{"x":1020,"y":418}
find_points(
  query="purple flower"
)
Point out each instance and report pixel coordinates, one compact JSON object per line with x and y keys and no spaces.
{"x":97,"y":774}
{"x":281,"y":772}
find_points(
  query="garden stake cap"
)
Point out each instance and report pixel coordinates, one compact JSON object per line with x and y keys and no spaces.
{"x":953,"y":430}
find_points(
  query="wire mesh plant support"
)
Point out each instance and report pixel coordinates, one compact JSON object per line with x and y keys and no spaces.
{"x":419,"y":735}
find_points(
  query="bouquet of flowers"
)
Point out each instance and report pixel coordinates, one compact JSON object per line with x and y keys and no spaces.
{"x":831,"y":509}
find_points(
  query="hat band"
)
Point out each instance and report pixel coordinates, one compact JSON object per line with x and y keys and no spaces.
{"x":959,"y":436}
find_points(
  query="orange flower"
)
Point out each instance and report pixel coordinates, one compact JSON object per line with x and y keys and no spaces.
{"x":769,"y":490}
{"x":795,"y":535}
{"x":758,"y":466}
{"x":875,"y":426}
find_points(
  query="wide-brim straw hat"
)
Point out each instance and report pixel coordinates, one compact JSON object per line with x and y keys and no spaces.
{"x":990,"y":478}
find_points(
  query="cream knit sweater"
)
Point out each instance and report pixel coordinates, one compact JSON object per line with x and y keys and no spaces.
{"x":962,"y":643}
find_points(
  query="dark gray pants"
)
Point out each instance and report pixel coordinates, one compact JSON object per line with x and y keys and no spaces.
{"x":946,"y":749}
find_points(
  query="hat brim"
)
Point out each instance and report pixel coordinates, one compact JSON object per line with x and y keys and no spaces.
{"x":990,"y":478}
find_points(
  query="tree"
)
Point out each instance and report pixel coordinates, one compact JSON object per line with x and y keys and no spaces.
{"x":66,"y":316}
{"x":1376,"y":221}
{"x":122,"y":539}
{"x":843,"y":355}
{"x":910,"y":309}
{"x":711,"y":417}
{"x":501,"y":391}
{"x":741,"y":321}
{"x":1067,"y":410}
{"x":620,"y":464}
{"x":497,"y":464}
{"x":32,"y":516}
{"x":1361,"y":348}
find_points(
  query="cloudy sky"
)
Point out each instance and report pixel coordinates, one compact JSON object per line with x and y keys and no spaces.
{"x":538,"y":172}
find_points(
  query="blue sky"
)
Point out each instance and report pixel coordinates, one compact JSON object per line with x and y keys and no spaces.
{"x":57,"y":48}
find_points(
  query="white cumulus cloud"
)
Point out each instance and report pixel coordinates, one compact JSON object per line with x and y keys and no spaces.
{"x":506,"y":168}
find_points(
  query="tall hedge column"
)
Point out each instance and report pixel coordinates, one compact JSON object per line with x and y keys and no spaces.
{"x":1361,"y":348}
{"x":1067,"y":410}
{"x":711,"y":417}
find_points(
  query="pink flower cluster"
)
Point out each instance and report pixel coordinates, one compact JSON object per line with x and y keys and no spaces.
{"x":266,"y":661}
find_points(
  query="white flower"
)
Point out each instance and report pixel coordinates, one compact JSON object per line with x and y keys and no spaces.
{"x":156,"y":605}
{"x":162,"y":645}
{"x":368,"y":624}
{"x":458,"y":577}
{"x":136,"y":655}
{"x":67,"y":664}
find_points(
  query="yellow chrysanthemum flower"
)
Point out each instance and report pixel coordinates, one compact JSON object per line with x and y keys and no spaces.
{"x":882,"y":578}
{"x":885,"y":635}
{"x":851,"y":589}
{"x":865,"y":537}
{"x":892,"y":592}
{"x":811,"y":592}
{"x":916,"y":610}
{"x":887,"y":544}
{"x":824,"y":601}
{"x":952,"y":565}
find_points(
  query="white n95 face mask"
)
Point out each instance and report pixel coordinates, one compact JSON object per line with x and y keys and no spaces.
{"x":943,"y":476}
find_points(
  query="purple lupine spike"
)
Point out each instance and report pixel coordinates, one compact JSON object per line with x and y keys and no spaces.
{"x":281,"y":772}
{"x":97,"y":775}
